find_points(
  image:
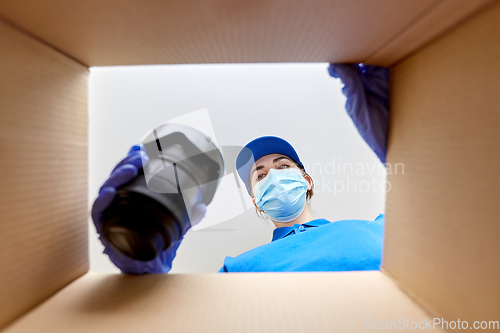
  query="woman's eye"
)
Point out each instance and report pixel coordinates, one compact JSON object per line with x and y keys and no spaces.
{"x":283,"y":166}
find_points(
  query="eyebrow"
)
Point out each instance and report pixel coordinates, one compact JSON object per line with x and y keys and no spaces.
{"x":274,"y":161}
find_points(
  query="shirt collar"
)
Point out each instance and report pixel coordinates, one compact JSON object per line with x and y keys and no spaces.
{"x":282,"y":232}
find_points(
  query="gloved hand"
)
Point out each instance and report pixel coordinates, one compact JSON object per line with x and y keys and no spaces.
{"x":367,"y":90}
{"x":126,"y":170}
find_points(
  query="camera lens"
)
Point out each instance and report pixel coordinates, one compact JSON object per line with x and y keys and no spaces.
{"x":139,"y":222}
{"x":151,"y":211}
{"x":135,"y":245}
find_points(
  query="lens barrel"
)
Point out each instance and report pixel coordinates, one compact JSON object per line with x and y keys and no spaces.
{"x":141,"y":223}
{"x":150,"y":212}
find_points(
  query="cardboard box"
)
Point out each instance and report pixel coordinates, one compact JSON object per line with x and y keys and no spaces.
{"x":441,"y":247}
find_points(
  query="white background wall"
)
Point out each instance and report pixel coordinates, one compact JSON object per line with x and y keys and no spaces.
{"x":298,"y":102}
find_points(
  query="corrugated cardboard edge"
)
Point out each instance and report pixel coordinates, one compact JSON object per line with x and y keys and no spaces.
{"x":239,"y":302}
{"x":438,"y":20}
{"x":43,"y":144}
{"x":441,"y":234}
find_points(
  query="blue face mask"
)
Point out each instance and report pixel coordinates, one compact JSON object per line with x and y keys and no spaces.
{"x":282,"y":194}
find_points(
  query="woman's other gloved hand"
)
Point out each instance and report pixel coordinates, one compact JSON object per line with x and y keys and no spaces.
{"x":126,"y":170}
{"x":367,"y":90}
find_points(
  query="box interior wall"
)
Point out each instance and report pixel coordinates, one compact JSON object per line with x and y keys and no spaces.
{"x":441,"y":250}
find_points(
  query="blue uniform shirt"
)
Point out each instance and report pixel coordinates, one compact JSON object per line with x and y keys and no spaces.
{"x":318,"y":245}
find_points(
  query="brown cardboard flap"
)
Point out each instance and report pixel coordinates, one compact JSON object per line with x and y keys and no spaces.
{"x":443,"y":215}
{"x":43,"y":172}
{"x":129,"y":32}
{"x":238,"y":302}
{"x":440,"y":17}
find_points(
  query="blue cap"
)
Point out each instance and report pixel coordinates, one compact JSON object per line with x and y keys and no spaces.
{"x":259,"y":147}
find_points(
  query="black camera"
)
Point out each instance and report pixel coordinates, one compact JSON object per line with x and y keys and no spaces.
{"x":153,"y":210}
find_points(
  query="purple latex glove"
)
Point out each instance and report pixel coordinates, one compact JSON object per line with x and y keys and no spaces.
{"x":367,"y":91}
{"x":126,"y":170}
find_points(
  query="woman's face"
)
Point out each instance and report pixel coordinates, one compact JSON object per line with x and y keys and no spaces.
{"x":262,"y":166}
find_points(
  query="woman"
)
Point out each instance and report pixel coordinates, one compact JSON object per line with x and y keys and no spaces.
{"x":280,"y":188}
